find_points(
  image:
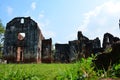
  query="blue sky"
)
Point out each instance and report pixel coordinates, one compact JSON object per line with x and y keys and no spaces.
{"x":62,"y":19}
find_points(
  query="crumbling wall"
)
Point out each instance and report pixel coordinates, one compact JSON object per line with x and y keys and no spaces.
{"x":22,"y":40}
{"x":75,"y":49}
{"x":108,"y":40}
{"x":84,"y":42}
{"x":88,"y":46}
{"x":46,"y":51}
{"x":62,"y":53}
{"x":105,"y":60}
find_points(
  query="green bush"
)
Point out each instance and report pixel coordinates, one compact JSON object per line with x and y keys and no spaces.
{"x":116,"y":70}
{"x":84,"y":70}
{"x":80,"y":71}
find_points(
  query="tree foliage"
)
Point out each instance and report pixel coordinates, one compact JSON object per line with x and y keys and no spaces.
{"x":2,"y":30}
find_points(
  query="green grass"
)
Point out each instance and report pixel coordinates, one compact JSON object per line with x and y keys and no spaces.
{"x":81,"y":70}
{"x":32,"y":71}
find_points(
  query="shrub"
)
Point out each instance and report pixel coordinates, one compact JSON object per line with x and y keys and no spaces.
{"x":85,"y":70}
{"x":80,"y":71}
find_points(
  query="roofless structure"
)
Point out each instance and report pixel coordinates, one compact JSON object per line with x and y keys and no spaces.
{"x":23,"y":40}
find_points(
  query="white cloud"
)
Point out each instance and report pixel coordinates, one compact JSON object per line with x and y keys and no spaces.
{"x":101,"y":19}
{"x":72,"y":36}
{"x":41,"y":25}
{"x":9,"y":10}
{"x":48,"y":34}
{"x":112,"y":7}
{"x":88,"y":17}
{"x":33,"y":5}
{"x":41,"y":16}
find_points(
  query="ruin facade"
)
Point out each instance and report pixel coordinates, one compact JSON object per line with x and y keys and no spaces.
{"x":23,"y":40}
{"x":46,"y":55}
{"x":62,"y":52}
{"x":109,"y":40}
{"x":77,"y":49}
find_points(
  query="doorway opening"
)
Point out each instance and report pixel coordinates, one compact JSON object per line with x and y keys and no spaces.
{"x":19,"y":54}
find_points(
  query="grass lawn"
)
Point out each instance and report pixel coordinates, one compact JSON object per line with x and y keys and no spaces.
{"x":32,"y":71}
{"x":82,"y":70}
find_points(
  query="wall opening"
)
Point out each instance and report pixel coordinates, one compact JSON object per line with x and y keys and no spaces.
{"x":22,"y":21}
{"x":19,"y":54}
{"x":21,"y":36}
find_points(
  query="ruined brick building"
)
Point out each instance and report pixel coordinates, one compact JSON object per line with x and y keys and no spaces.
{"x":76,"y":49}
{"x":83,"y":47}
{"x":23,"y":41}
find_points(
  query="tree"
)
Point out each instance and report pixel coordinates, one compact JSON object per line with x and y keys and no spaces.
{"x":2,"y":30}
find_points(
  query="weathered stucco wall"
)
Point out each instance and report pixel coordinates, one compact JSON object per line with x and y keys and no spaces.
{"x":22,"y":40}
